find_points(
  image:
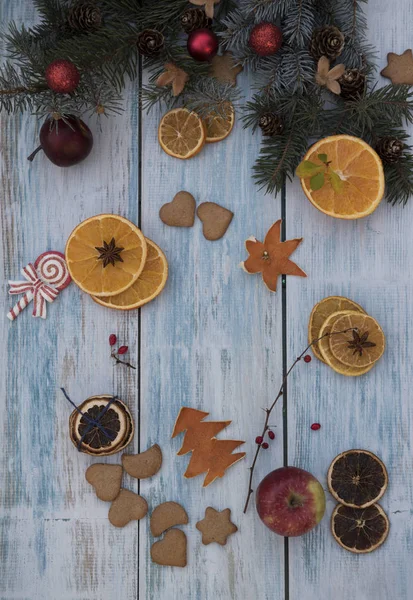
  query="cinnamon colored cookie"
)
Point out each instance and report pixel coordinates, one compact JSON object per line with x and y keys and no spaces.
{"x":399,"y":68}
{"x":167,"y":515}
{"x":215,"y":219}
{"x":216,"y":526}
{"x":143,"y":465}
{"x":171,"y":550}
{"x":180,"y":212}
{"x":127,"y":507}
{"x":106,"y":479}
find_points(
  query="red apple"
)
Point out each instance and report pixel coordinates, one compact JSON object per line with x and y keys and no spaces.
{"x":290,"y":501}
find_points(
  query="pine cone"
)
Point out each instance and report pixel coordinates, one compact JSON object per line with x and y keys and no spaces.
{"x":194,"y":18}
{"x":389,"y":149}
{"x":271,"y":124}
{"x":326,"y":41}
{"x":353,"y":84}
{"x":84,"y":16}
{"x":150,"y":42}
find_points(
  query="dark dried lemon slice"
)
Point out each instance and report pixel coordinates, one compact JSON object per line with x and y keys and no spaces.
{"x":113,"y":432}
{"x":357,"y":478}
{"x":360,"y":530}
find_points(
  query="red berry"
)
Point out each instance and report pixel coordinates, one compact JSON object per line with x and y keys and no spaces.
{"x":271,"y":435}
{"x":112,"y":339}
{"x":265,"y":446}
{"x":123,"y":350}
{"x":307,"y":358}
{"x":259,"y":439}
{"x":315,"y":426}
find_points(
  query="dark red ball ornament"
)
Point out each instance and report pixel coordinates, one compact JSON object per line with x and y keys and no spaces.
{"x":265,"y":39}
{"x":202,"y":44}
{"x":62,"y":76}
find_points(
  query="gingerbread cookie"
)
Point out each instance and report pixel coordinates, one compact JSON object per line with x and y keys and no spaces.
{"x":215,"y":219}
{"x":225,"y":69}
{"x":180,"y":212}
{"x":399,"y":68}
{"x":143,"y":465}
{"x":127,"y":507}
{"x":106,"y":479}
{"x":216,"y":526}
{"x":167,"y":515}
{"x":171,"y":550}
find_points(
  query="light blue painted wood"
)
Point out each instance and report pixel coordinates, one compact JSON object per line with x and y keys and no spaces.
{"x":369,"y":261}
{"x":55,"y":539}
{"x":211,"y":341}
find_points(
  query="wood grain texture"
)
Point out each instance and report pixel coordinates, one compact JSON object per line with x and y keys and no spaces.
{"x":211,"y":341}
{"x":55,"y":539}
{"x":369,"y":261}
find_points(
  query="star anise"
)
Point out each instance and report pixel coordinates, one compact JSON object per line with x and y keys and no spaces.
{"x":359,"y":342}
{"x":109,"y":253}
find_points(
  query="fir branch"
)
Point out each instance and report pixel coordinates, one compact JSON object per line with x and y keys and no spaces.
{"x":280,"y":155}
{"x":204,"y":96}
{"x":265,"y":10}
{"x":399,"y":179}
{"x":299,"y":23}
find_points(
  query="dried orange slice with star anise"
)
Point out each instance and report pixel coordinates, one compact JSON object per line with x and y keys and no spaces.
{"x":106,"y":254}
{"x":362,"y":346}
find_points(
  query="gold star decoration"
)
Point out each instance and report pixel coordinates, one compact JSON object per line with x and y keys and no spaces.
{"x":326,"y":77}
{"x":224,"y":69}
{"x":109,"y":253}
{"x":216,"y":526}
{"x":399,"y":68}
{"x":272,"y":258}
{"x":209,"y":6}
{"x":175,"y":76}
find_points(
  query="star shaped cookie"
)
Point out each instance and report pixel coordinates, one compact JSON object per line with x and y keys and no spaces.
{"x":224,"y":69}
{"x":216,"y":526}
{"x":399,"y":68}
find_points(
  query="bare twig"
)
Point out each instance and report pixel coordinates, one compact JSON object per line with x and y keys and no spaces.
{"x":270,"y":409}
{"x":121,"y":362}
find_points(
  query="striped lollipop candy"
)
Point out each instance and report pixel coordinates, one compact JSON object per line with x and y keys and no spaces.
{"x":44,"y":280}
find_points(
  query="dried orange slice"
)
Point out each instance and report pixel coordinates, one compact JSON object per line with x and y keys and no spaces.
{"x":360,"y":169}
{"x":329,"y":358}
{"x":360,"y":530}
{"x":181,"y":133}
{"x":321,"y":311}
{"x":357,"y":478}
{"x":149,"y":284}
{"x":219,"y":127}
{"x":359,"y":348}
{"x":105,"y":254}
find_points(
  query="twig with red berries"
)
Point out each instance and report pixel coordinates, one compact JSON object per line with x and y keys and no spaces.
{"x":260,"y":439}
{"x":120,"y":352}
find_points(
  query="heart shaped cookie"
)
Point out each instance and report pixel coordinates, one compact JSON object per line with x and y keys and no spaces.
{"x":180,"y":212}
{"x":127,"y":507}
{"x":167,"y":515}
{"x":106,"y":479}
{"x":143,"y":465}
{"x":215,"y":219}
{"x":171,"y":550}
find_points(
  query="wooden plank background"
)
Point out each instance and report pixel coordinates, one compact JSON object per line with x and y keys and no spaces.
{"x":214,"y":341}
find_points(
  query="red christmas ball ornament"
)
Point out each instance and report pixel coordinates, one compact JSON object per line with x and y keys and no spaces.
{"x":202,"y":44}
{"x":265,"y":39}
{"x":62,"y":76}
